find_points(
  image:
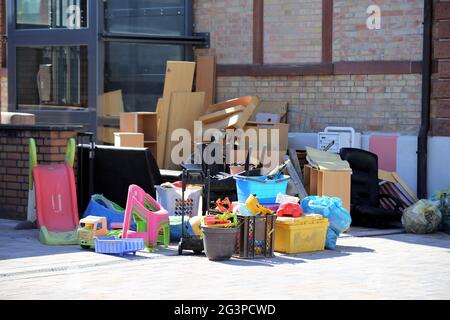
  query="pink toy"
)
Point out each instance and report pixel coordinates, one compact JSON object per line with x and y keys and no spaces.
{"x":56,"y":204}
{"x":149,"y":216}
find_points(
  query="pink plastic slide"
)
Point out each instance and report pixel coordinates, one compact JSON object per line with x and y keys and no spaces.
{"x":56,"y":204}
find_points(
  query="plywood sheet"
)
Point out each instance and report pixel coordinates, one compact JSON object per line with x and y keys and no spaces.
{"x":163,"y":118}
{"x":205,"y":79}
{"x":106,"y":134}
{"x":184,"y":109}
{"x":179,"y":77}
{"x":276,"y":107}
{"x":112,"y":104}
{"x":220,"y":115}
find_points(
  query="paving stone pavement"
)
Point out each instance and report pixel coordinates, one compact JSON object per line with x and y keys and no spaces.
{"x":392,"y":266}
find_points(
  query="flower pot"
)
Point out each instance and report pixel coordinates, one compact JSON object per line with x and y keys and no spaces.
{"x":219,"y":243}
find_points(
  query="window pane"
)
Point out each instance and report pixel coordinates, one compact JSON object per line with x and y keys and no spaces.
{"x":32,"y":14}
{"x":145,"y":17}
{"x":138,"y":70}
{"x":52,"y":77}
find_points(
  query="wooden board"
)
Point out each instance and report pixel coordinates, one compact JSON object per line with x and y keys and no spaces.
{"x":276,"y":107}
{"x":220,"y":115}
{"x":128,"y":122}
{"x":394,"y":178}
{"x":184,"y":109}
{"x":227,"y":123}
{"x":111,"y":104}
{"x":129,"y":140}
{"x":205,"y":79}
{"x":242,"y":101}
{"x":106,"y":134}
{"x":163,"y":119}
{"x":179,"y":78}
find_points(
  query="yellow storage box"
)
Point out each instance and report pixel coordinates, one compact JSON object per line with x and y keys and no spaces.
{"x":298,"y":235}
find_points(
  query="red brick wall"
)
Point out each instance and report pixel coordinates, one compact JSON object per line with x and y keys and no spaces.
{"x":440,"y":104}
{"x":51,"y":147}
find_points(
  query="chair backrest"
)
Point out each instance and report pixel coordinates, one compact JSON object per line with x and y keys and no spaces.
{"x":364,"y":164}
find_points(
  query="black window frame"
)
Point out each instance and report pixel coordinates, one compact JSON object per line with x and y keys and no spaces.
{"x":94,"y":37}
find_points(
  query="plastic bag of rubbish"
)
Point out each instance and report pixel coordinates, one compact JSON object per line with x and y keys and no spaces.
{"x":331,"y":240}
{"x":422,"y":217}
{"x":330,"y":208}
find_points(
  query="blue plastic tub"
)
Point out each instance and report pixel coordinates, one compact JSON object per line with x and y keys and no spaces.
{"x":265,"y":190}
{"x":115,"y":245}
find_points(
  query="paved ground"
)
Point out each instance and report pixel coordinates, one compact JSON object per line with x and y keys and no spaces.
{"x":395,"y":266}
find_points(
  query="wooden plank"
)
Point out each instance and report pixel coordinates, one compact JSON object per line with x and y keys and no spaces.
{"x":128,"y":122}
{"x":179,"y":78}
{"x":129,"y":140}
{"x":275,"y":107}
{"x":111,"y":104}
{"x":162,"y":122}
{"x":205,"y":78}
{"x":393,"y":177}
{"x":242,"y":101}
{"x":184,"y":109}
{"x":106,"y":134}
{"x":220,"y":115}
{"x":405,"y":186}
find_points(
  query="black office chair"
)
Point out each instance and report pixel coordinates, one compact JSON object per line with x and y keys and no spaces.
{"x":365,"y":194}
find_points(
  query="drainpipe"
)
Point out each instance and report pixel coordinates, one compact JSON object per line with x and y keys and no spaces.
{"x":422,"y":153}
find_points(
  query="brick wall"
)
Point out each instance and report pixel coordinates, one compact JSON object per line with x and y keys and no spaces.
{"x":369,"y":103}
{"x":292,"y":31}
{"x":51,"y":147}
{"x":440,"y":104}
{"x":230,"y":24}
{"x":400,"y":36}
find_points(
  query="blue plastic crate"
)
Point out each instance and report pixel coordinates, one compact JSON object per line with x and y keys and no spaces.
{"x":115,"y":245}
{"x":265,"y":190}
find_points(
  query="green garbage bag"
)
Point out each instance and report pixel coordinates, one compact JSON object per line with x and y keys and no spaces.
{"x":422,"y":218}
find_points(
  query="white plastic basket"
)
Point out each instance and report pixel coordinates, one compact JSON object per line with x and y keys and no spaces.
{"x":170,"y":199}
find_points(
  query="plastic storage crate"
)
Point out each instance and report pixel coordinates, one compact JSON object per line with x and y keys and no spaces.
{"x":115,"y":245}
{"x":298,"y":235}
{"x":255,"y":238}
{"x":265,"y":190}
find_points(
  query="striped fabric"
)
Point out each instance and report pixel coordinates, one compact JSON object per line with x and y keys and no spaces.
{"x":396,"y":190}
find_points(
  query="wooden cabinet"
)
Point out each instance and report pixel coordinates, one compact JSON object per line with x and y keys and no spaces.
{"x":329,"y":183}
{"x":142,"y":122}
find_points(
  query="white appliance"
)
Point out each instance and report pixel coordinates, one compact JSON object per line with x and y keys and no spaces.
{"x":335,"y":138}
